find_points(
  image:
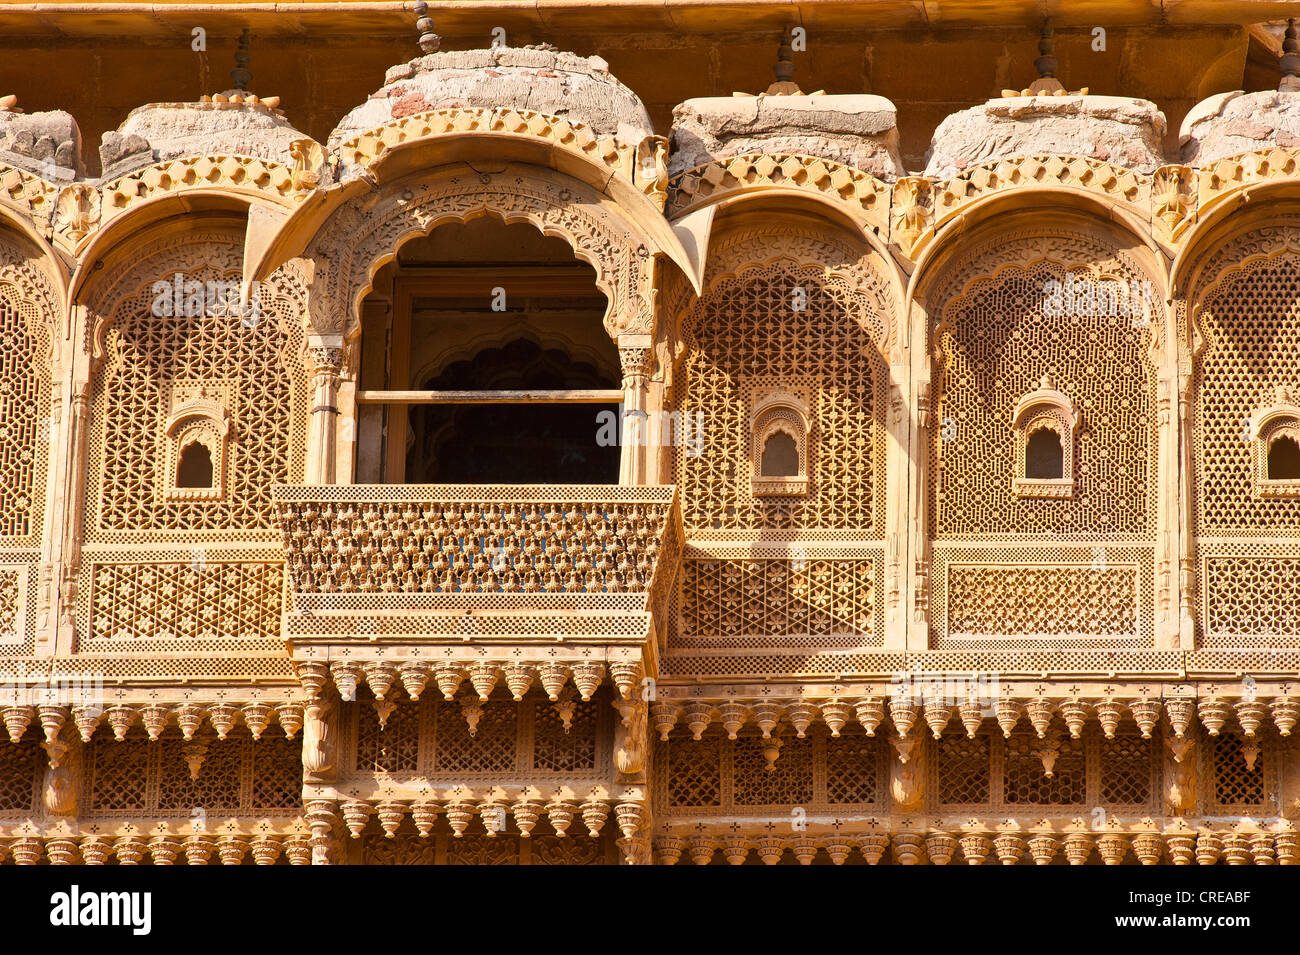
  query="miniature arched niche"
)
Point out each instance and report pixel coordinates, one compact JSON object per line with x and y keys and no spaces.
{"x":1046,"y":423}
{"x":1275,"y":432}
{"x":779,"y":446}
{"x":197,"y":433}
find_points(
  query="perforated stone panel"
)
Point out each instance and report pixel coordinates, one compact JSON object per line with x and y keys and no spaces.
{"x":783,"y":326}
{"x":237,"y":776}
{"x":997,"y":342}
{"x":1250,"y":318}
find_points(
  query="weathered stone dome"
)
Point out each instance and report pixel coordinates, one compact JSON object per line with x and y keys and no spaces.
{"x":231,"y":123}
{"x":576,"y":88}
{"x":858,"y":130}
{"x":48,"y":144}
{"x":1229,"y":124}
{"x":1120,"y":130}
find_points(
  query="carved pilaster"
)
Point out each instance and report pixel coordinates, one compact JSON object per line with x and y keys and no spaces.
{"x":325,"y":353}
{"x":637,"y":359}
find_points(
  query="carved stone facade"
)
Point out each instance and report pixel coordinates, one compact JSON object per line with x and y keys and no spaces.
{"x":957,"y":510}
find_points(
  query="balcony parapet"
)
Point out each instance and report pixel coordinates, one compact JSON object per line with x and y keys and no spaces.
{"x":400,"y":572}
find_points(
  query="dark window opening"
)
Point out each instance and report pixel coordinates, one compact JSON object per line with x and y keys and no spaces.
{"x":1044,"y":456}
{"x":780,"y":456}
{"x":1284,"y":460}
{"x":515,"y":443}
{"x":195,"y":467}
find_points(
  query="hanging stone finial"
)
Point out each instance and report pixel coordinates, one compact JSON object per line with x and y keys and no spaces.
{"x":1289,"y":61}
{"x":240,"y":76}
{"x":429,"y":41}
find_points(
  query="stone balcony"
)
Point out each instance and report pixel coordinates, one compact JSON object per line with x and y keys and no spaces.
{"x":424,"y":579}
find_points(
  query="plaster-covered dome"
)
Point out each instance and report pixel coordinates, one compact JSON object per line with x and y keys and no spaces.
{"x":232,"y":123}
{"x":576,"y":88}
{"x":857,"y":130}
{"x":1119,"y":130}
{"x":1229,"y":124}
{"x":48,"y":144}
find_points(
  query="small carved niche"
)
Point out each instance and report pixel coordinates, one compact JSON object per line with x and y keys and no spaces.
{"x":197,"y":433}
{"x":779,"y":445}
{"x":1275,"y":433}
{"x":1046,"y":423}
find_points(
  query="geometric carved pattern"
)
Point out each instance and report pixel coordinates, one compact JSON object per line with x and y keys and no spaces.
{"x":1024,"y":782}
{"x":716,"y":775}
{"x":147,"y":353}
{"x":991,"y":772}
{"x":237,"y":776}
{"x":432,"y":737}
{"x":490,"y":749}
{"x":393,"y":747}
{"x":560,"y":750}
{"x":10,"y":581}
{"x":1049,"y":601}
{"x":1251,"y":322}
{"x":435,"y":546}
{"x":777,"y":598}
{"x":996,"y":343}
{"x":20,"y":770}
{"x":1258,"y":597}
{"x":23,"y":404}
{"x":783,"y":326}
{"x":202,"y":600}
{"x":962,"y":769}
{"x":1126,"y":770}
{"x":1236,"y":781}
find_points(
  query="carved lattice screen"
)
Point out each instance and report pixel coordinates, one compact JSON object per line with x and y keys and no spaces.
{"x":1064,"y":571}
{"x":798,"y":318}
{"x":716,"y":776}
{"x":212,"y":579}
{"x":750,"y":339}
{"x":27,"y":309}
{"x":237,"y":775}
{"x":1249,"y":317}
{"x":431,"y":737}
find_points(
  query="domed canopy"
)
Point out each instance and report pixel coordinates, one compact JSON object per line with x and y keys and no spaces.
{"x":542,"y":80}
{"x":858,"y":130}
{"x":1118,"y":130}
{"x":1229,"y":124}
{"x":232,"y":123}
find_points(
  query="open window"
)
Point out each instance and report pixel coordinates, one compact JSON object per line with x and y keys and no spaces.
{"x":485,"y":361}
{"x":1275,"y":431}
{"x":779,"y":443}
{"x":1046,"y":423}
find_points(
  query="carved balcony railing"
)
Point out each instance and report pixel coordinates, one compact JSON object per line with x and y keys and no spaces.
{"x":454,"y":574}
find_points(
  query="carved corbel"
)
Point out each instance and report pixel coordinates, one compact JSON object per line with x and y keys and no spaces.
{"x":631,"y":738}
{"x":1180,"y":773}
{"x":320,"y":738}
{"x":907,"y":772}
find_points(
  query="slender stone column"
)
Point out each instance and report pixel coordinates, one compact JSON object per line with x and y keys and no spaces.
{"x":637,"y":358}
{"x":326,"y":354}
